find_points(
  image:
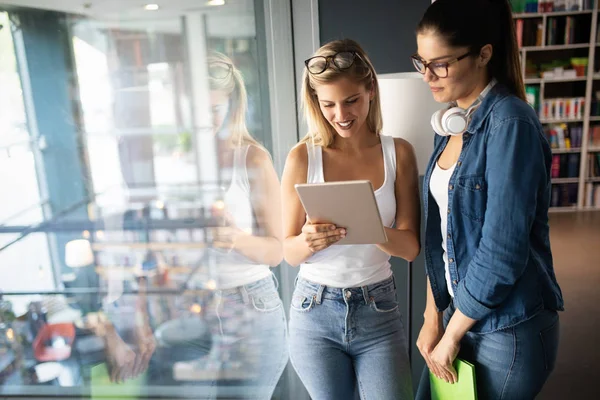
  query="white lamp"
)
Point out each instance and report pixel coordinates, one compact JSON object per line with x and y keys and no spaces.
{"x":407,"y":106}
{"x":78,"y":253}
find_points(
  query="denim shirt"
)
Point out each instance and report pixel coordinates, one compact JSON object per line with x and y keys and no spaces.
{"x":498,"y":236}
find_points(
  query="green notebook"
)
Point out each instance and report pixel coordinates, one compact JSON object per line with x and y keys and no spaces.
{"x":464,"y":389}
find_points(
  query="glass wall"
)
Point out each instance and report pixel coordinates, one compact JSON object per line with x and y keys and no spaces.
{"x":139,"y":225}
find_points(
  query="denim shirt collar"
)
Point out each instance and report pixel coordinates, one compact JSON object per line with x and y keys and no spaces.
{"x":497,"y":93}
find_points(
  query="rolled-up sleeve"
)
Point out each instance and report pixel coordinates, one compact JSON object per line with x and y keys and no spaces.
{"x":516,"y":172}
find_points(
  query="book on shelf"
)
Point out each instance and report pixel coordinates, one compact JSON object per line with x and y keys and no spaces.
{"x":565,"y":165}
{"x":594,"y":165}
{"x":529,"y":32}
{"x":563,"y":136}
{"x":541,"y":6}
{"x":594,"y":136}
{"x":563,"y":195}
{"x":592,"y":194}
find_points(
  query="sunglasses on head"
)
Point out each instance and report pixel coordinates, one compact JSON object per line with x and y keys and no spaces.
{"x":219,"y":70}
{"x":341,"y":60}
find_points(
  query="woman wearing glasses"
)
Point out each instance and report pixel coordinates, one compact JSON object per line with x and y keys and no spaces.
{"x":247,"y":317}
{"x":346,"y":331}
{"x":492,"y":295}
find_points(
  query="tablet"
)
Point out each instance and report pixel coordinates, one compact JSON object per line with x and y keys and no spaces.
{"x":347,"y":204}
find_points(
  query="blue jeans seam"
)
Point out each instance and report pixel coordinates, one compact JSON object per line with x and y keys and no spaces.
{"x":361,"y":389}
{"x":514,"y":360}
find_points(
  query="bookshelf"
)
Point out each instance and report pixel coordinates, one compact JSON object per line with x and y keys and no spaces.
{"x":561,"y":70}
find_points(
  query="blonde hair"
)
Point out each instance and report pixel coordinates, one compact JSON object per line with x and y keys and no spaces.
{"x":320,"y":131}
{"x":233,"y":86}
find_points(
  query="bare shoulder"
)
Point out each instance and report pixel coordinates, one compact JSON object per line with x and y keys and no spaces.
{"x":298,"y":156}
{"x":296,"y":165}
{"x":405,"y":153}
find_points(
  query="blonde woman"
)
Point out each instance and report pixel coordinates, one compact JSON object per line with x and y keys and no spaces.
{"x":346,"y":330}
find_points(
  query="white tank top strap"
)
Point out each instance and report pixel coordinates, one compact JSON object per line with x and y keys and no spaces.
{"x":240,"y":170}
{"x":314,"y":174}
{"x":389,"y":158}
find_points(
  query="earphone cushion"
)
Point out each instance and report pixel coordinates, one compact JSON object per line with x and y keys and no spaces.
{"x":454,"y":121}
{"x":436,"y":122}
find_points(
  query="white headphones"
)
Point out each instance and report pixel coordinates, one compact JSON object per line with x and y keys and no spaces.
{"x":453,"y":120}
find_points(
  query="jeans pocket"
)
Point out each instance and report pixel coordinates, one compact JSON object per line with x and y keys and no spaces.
{"x":267,"y":302}
{"x":302,"y":302}
{"x":385,"y":304}
{"x":549,"y":337}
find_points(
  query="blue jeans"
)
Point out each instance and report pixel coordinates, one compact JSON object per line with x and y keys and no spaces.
{"x":249,"y":334}
{"x":342,"y":339}
{"x":510,"y":364}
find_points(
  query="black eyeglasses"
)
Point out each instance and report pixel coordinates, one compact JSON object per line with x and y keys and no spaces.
{"x":439,"y":69}
{"x":342,"y":60}
{"x":219,"y":70}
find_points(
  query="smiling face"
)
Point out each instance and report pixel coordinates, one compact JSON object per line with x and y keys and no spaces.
{"x":345,"y":105}
{"x":464,"y":76}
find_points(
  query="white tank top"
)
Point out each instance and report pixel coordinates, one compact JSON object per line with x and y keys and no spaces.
{"x":344,"y":266}
{"x":438,"y":185}
{"x":234,"y":269}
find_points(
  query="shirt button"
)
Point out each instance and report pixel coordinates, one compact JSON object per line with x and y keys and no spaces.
{"x":448,"y":211}
{"x":459,"y":163}
{"x":466,"y":136}
{"x":348,"y":294}
{"x":451,"y":260}
{"x":455,"y":282}
{"x":478,"y":186}
{"x":450,"y":187}
{"x":449,"y":236}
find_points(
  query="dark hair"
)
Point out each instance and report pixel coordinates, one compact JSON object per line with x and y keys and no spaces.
{"x":475,"y":23}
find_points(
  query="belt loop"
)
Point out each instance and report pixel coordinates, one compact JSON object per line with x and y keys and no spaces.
{"x":245,"y":295}
{"x":365,"y":292}
{"x":319,"y":295}
{"x":394,"y":281}
{"x":296,"y":281}
{"x":276,"y":280}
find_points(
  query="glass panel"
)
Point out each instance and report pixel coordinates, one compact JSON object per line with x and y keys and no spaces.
{"x":162,"y":224}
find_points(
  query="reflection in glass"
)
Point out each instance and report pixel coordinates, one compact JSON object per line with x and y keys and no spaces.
{"x":147,"y":269}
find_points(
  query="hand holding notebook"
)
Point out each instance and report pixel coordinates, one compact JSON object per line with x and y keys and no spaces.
{"x":464,"y":389}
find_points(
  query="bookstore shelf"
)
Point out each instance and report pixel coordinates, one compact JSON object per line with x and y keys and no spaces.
{"x":555,"y":80}
{"x":566,"y":151}
{"x":552,"y":14}
{"x":556,"y":47}
{"x":558,"y":181}
{"x":562,"y":70}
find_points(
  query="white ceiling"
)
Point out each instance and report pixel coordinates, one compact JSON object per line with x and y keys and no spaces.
{"x":234,"y":19}
{"x":134,"y":9}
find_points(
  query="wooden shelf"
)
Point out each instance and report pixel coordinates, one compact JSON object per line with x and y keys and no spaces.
{"x":563,"y":209}
{"x":551,"y":14}
{"x":560,"y":121}
{"x":557,"y":181}
{"x":566,"y":151}
{"x":596,"y":179}
{"x":530,"y":81}
{"x":595,"y":118}
{"x":556,"y":47}
{"x":593,"y":149}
